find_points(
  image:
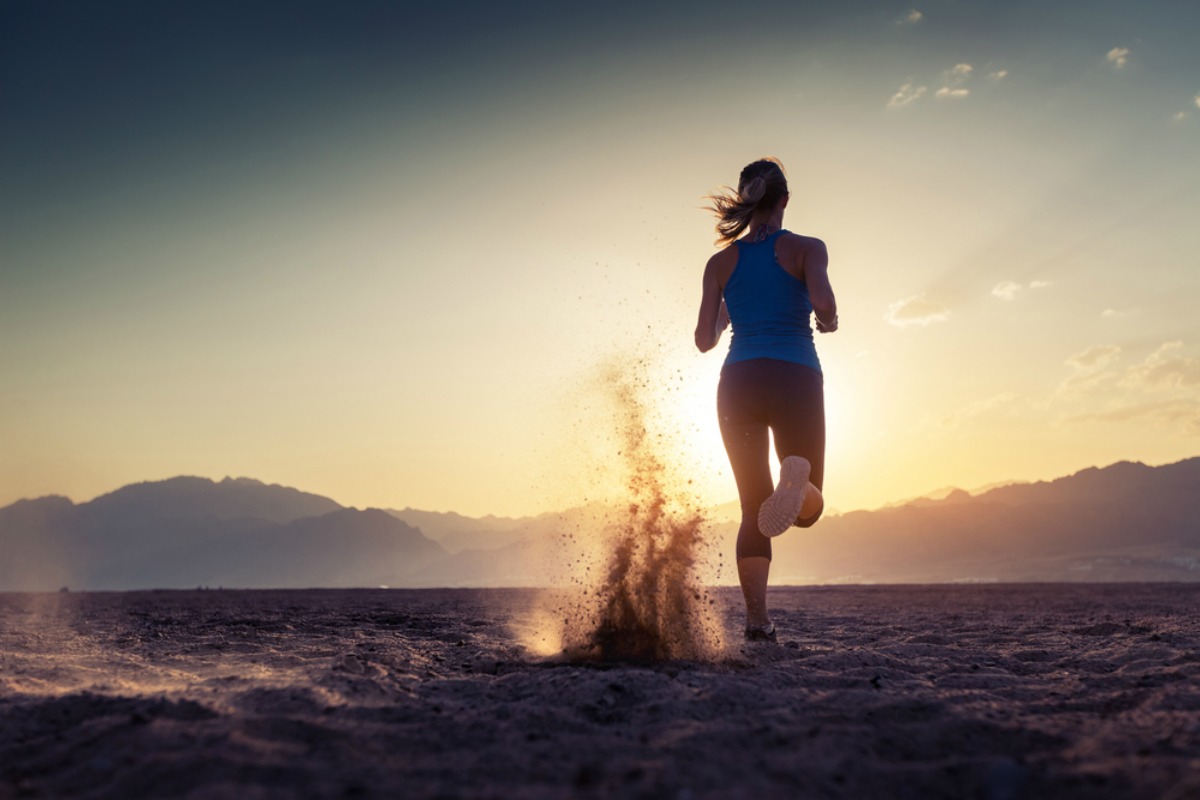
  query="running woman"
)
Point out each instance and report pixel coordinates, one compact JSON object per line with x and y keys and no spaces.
{"x":767,"y":283}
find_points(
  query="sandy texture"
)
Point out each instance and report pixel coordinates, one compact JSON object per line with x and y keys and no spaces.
{"x":949,"y":691}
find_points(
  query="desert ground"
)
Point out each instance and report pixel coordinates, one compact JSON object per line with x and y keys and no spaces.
{"x":986,"y":691}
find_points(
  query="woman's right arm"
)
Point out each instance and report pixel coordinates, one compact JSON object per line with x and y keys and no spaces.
{"x":820,"y":293}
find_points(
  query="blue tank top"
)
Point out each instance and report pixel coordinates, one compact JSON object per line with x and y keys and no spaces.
{"x":768,"y":308}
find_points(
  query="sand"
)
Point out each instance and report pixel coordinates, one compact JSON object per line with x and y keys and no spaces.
{"x":990,"y":692}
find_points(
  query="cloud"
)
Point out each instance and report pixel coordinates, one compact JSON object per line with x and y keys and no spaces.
{"x":908,"y":93}
{"x":998,"y":75}
{"x":1006,"y":290}
{"x":1112,"y":313}
{"x":1170,"y":412}
{"x":952,"y":87}
{"x":1088,"y":371}
{"x":915,"y":311}
{"x":1163,"y":388}
{"x":1179,"y":116}
{"x":1094,"y":358}
{"x":1118,"y":56}
{"x":953,"y":80}
{"x":911,"y":18}
{"x":1196,"y":99}
{"x":1164,"y":370}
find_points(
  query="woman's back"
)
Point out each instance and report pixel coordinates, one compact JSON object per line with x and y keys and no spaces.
{"x":768,"y":305}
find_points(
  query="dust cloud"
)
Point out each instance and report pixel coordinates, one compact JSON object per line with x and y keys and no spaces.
{"x":637,"y":592}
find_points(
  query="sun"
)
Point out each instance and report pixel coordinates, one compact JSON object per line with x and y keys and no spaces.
{"x":687,"y":415}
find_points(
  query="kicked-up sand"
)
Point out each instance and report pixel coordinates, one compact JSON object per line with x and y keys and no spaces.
{"x":996,"y":692}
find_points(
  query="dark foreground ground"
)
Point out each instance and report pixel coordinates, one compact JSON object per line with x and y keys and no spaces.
{"x":996,"y":692}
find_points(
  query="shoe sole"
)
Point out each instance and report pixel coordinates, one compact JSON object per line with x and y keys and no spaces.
{"x":779,"y":511}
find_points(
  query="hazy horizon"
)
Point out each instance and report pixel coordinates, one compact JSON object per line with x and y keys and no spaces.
{"x":939,"y":492}
{"x":387,"y":254}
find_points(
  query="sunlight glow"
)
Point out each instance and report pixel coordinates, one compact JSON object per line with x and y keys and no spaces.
{"x":389,"y":289}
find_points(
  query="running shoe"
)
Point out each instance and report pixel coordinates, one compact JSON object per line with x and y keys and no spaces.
{"x":779,"y":511}
{"x":761,"y":633}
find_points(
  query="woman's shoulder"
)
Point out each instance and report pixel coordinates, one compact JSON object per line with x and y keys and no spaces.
{"x":722,"y":262}
{"x":795,"y":251}
{"x":796,"y":246}
{"x":801,"y":242}
{"x":727,"y":254}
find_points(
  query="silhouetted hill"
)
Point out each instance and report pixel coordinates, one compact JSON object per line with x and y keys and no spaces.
{"x":456,"y":532}
{"x":37,"y":550}
{"x":459,"y":534}
{"x":186,"y":531}
{"x":200,"y":498}
{"x":1127,"y":521}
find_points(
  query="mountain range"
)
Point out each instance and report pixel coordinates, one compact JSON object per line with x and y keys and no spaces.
{"x":1124,"y":522}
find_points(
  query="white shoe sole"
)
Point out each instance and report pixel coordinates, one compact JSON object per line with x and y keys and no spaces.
{"x":779,"y":511}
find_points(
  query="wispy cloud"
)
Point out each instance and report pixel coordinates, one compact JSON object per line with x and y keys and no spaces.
{"x":1118,"y":57}
{"x":953,"y":80}
{"x":1088,"y":370}
{"x":1112,"y":313}
{"x":952,"y":86}
{"x":907,"y":94}
{"x":1094,"y":358}
{"x":1170,"y":412}
{"x":911,"y":18}
{"x":1008,"y":290}
{"x":915,"y":311}
{"x":1180,"y":116}
{"x":1164,"y":387}
{"x":1164,"y":369}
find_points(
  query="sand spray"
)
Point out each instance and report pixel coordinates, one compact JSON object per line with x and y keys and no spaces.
{"x":635,"y":590}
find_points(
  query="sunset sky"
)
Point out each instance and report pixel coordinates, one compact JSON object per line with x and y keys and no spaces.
{"x":385,"y":252}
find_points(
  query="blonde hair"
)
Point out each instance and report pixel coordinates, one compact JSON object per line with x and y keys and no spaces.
{"x":761,"y":185}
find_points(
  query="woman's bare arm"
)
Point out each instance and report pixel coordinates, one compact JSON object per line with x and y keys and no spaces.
{"x":714,"y":317}
{"x":820,"y":293}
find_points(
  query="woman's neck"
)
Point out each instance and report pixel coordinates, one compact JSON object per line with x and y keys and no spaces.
{"x":762,"y":227}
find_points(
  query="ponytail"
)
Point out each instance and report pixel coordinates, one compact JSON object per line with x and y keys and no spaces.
{"x":761,"y":185}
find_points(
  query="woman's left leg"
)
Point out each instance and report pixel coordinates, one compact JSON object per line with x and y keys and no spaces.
{"x":742,"y":394}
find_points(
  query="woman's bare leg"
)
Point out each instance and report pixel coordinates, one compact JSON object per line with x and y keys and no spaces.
{"x":754,"y":570}
{"x":814,"y":501}
{"x":752,"y":573}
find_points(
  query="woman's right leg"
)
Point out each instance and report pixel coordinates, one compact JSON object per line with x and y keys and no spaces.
{"x":796,"y":414}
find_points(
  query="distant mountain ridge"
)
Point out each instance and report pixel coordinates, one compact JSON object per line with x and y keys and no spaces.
{"x":456,"y":532}
{"x":231,"y":498}
{"x":1126,"y":521}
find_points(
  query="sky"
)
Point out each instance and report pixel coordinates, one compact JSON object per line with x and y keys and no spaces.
{"x":392,"y":252}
